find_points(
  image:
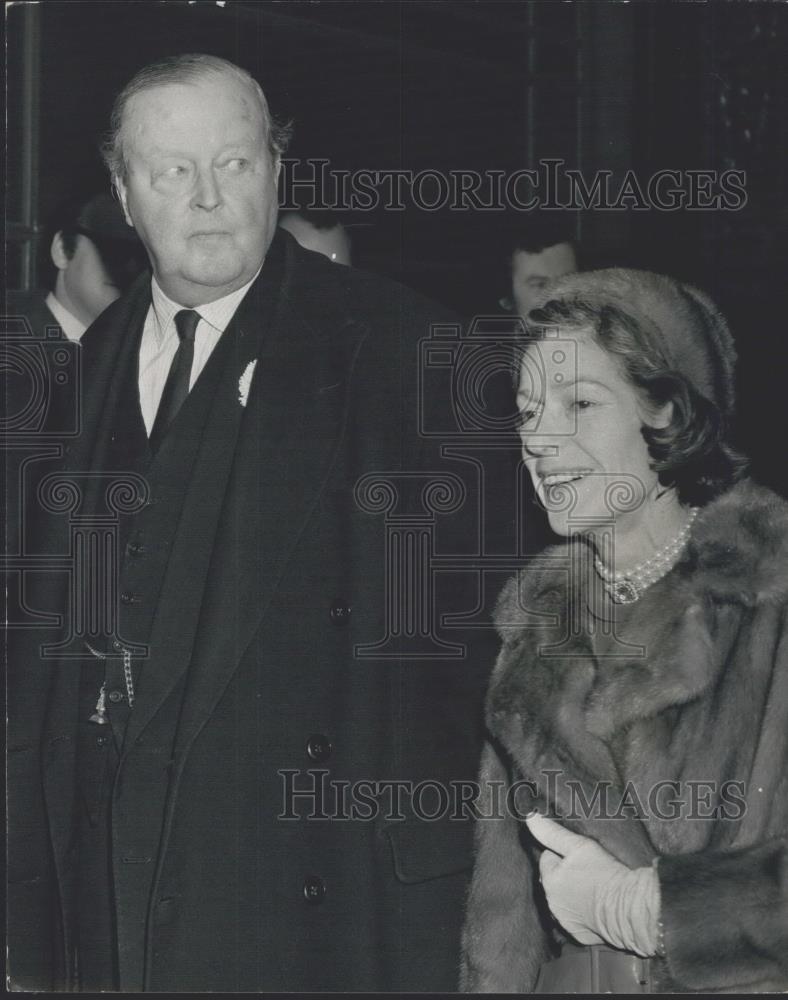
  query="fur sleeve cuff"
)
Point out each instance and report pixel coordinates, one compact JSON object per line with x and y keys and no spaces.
{"x":725,"y":917}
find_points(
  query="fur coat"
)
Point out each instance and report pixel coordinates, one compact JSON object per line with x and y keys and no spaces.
{"x":677,"y":721}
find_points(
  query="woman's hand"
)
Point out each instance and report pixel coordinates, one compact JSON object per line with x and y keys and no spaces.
{"x":593,"y":897}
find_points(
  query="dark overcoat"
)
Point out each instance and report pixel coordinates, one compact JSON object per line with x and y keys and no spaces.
{"x":672,"y":745}
{"x":278,"y":583}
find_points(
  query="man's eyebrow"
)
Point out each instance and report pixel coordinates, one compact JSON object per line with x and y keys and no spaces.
{"x":239,"y":143}
{"x":241,"y":140}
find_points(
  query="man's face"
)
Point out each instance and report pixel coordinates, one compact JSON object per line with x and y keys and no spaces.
{"x":532,"y":271}
{"x":83,"y":285}
{"x":200,"y":187}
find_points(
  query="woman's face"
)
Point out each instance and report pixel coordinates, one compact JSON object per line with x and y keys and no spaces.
{"x":580,"y":430}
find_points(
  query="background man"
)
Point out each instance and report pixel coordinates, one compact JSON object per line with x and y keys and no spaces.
{"x":540,"y":248}
{"x":259,"y":663}
{"x":93,"y":258}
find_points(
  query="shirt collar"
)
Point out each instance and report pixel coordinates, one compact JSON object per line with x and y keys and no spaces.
{"x":68,"y":322}
{"x":217,"y":313}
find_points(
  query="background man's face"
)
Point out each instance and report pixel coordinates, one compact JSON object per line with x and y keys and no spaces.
{"x":201,"y":185}
{"x":532,"y":271}
{"x":83,"y":285}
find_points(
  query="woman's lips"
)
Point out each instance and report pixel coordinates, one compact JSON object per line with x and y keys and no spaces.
{"x":556,"y":481}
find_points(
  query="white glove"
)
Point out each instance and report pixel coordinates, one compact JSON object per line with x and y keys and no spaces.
{"x":593,"y":897}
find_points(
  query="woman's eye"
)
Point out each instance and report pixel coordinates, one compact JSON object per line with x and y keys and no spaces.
{"x":583,"y":404}
{"x":528,"y":416}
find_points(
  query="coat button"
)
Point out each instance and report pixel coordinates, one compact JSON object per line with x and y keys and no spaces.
{"x":101,"y":741}
{"x":135,"y":548}
{"x":116,"y":696}
{"x":127,"y":597}
{"x":319,"y":747}
{"x":339,"y":613}
{"x":314,"y":889}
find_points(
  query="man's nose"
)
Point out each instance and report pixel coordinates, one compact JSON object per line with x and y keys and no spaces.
{"x":207,"y":193}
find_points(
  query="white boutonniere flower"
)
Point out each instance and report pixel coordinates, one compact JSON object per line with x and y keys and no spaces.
{"x":245,"y":381}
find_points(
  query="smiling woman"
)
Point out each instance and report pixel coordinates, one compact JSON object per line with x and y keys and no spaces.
{"x":597,"y":415}
{"x":624,"y":400}
{"x":648,"y":652}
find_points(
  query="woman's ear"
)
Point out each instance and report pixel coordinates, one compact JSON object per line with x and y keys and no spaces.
{"x":661,"y":416}
{"x":655,"y":416}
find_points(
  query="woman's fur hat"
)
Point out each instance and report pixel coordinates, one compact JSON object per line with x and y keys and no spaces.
{"x":682,"y":323}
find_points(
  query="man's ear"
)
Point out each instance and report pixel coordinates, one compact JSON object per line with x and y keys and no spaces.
{"x":122,"y":193}
{"x":57,"y":252}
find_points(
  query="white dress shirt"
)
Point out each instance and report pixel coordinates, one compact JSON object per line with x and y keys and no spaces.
{"x":160,"y":341}
{"x":68,"y":322}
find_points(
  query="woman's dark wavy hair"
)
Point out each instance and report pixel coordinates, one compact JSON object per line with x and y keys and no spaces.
{"x":692,"y":453}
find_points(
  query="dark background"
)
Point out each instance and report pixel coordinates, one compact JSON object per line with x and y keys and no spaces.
{"x":461,"y":86}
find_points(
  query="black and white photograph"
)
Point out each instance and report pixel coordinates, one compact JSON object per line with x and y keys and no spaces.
{"x":395,"y":560}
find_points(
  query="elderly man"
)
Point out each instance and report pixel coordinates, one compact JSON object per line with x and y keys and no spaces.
{"x":219,"y":760}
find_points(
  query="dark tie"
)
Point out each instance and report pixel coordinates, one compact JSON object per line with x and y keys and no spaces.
{"x":176,"y":388}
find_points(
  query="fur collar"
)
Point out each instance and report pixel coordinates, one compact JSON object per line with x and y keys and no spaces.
{"x":738,"y":552}
{"x":549,"y":673}
{"x":739,"y":547}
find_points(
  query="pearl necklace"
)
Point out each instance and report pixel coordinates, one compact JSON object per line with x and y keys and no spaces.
{"x":626,"y":588}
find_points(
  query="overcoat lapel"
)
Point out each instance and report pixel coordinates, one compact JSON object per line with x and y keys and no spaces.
{"x":262,"y":467}
{"x":170,"y":648}
{"x":292,"y":430}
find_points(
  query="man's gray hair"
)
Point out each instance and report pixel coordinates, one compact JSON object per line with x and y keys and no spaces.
{"x":182,"y":69}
